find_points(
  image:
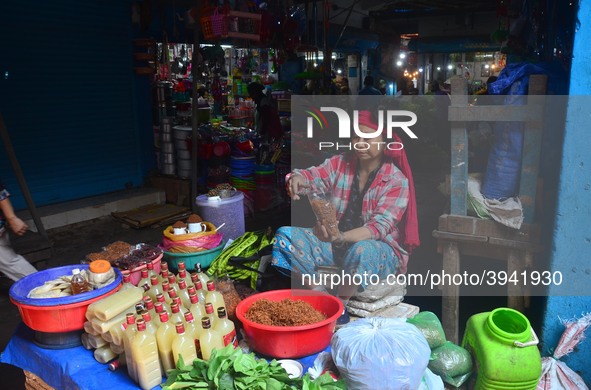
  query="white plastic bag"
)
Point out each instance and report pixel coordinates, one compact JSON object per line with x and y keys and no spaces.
{"x":380,"y":353}
{"x":556,"y":375}
{"x":431,"y":381}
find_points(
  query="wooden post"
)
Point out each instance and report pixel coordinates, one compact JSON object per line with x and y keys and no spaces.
{"x":459,"y":150}
{"x":451,"y":293}
{"x":21,"y":178}
{"x":194,"y":121}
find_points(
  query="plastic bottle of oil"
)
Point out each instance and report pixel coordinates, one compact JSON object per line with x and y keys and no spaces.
{"x":172,"y":282}
{"x":163,"y":275}
{"x":176,"y":315}
{"x":78,"y":283}
{"x":164,"y":336}
{"x":194,"y":330}
{"x":181,"y":267}
{"x":184,"y":294}
{"x":183,"y":345}
{"x":145,"y":280}
{"x":145,"y":356}
{"x":214,"y":297}
{"x":162,"y":300}
{"x":181,"y":275}
{"x":109,"y":307}
{"x":209,"y":313}
{"x":201,"y":275}
{"x":196,"y":308}
{"x":199,"y":290}
{"x":149,"y":305}
{"x":150,"y":268}
{"x":150,"y":326}
{"x":165,"y":290}
{"x":128,"y":334}
{"x":226,"y":328}
{"x":209,"y":339}
{"x":155,"y":288}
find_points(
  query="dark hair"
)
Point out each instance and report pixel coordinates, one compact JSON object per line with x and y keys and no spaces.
{"x":254,"y":88}
{"x":368,"y":80}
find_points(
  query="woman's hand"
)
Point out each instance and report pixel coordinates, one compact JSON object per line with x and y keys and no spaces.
{"x":323,"y":234}
{"x":295,"y":184}
{"x":17,"y":225}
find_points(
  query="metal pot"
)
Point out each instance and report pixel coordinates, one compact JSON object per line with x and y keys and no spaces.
{"x":184,"y":173}
{"x":166,"y":138}
{"x":183,"y":154}
{"x":167,"y":147}
{"x":183,"y":164}
{"x":167,"y":158}
{"x":168,"y":169}
{"x":180,"y":144}
{"x":182,"y":132}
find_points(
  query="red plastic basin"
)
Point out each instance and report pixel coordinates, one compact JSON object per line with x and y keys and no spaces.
{"x":56,"y":314}
{"x":291,"y":341}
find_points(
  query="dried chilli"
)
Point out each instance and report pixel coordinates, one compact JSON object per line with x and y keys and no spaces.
{"x":288,"y":312}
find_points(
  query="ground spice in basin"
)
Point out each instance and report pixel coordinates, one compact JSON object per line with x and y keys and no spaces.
{"x":287,"y":312}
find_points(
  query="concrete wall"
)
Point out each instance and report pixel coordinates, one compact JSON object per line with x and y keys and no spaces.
{"x":572,"y":231}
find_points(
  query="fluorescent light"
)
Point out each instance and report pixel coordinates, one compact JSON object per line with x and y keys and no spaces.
{"x":450,"y":67}
{"x":402,"y":56}
{"x":398,"y":63}
{"x":439,"y":68}
{"x":421,"y":70}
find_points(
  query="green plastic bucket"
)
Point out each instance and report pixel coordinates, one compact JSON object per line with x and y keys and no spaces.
{"x":505,"y":350}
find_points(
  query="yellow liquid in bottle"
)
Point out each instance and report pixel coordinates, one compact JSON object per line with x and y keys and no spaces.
{"x":183,"y":345}
{"x":209,"y":340}
{"x":109,"y":307}
{"x":214,"y":297}
{"x":226,"y":328}
{"x":145,"y":356}
{"x":164,"y":336}
{"x":128,"y":336}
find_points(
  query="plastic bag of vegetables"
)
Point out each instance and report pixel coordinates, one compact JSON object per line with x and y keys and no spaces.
{"x":380,"y":353}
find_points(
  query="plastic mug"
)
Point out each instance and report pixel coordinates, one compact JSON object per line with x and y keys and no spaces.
{"x":197,"y":227}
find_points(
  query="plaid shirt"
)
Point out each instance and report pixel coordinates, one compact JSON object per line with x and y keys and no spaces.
{"x":384,"y":202}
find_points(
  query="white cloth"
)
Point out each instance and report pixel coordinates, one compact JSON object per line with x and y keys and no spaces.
{"x":13,"y":265}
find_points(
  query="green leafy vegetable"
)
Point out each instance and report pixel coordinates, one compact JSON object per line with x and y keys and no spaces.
{"x":231,"y":369}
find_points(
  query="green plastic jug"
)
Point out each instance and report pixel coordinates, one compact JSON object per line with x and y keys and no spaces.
{"x":504,"y":347}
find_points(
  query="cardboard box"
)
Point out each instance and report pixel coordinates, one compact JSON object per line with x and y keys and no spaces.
{"x":178,"y":191}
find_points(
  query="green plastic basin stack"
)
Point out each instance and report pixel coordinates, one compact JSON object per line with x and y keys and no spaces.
{"x":505,"y":350}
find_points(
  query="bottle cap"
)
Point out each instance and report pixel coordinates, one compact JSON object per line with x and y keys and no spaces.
{"x":180,"y":328}
{"x":159,"y":307}
{"x":194,"y":278}
{"x":163,"y":265}
{"x":144,"y":273}
{"x":210,"y":285}
{"x":172,"y":293}
{"x":100,"y":266}
{"x":163,"y":316}
{"x":198,"y":268}
{"x":194,"y":298}
{"x":181,"y":265}
{"x":130,"y":317}
{"x":205,"y":322}
{"x":171,"y":279}
{"x":182,"y":274}
{"x":154,"y":280}
{"x":127,"y":278}
{"x":164,"y":274}
{"x":189,"y":316}
{"x":165,"y":285}
{"x":114,"y":365}
{"x":191,"y":290}
{"x":177,"y":300}
{"x":209,"y":308}
{"x":160,"y":297}
{"x":175,"y":307}
{"x":182,"y":284}
{"x":146,"y":316}
{"x":199,"y":285}
{"x":141,"y":325}
{"x":150,"y":266}
{"x":222,"y":312}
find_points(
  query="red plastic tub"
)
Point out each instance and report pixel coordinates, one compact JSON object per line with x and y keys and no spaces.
{"x":56,"y":314}
{"x":291,"y":341}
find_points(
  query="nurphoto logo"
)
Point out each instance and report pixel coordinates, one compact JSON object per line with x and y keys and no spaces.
{"x":392,"y":119}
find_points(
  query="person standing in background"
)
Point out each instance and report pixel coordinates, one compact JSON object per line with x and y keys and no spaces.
{"x":368,"y":88}
{"x":268,"y":123}
{"x":13,"y":265}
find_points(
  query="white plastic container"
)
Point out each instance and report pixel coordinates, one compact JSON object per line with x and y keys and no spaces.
{"x":228,"y":210}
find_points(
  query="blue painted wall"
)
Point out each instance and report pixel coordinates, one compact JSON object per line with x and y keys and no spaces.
{"x":572,"y":230}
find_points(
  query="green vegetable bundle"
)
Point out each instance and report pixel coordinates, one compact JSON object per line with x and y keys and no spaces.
{"x":232,"y":369}
{"x":246,"y":245}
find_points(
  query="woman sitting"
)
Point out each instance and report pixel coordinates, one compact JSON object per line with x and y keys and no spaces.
{"x":373,"y":194}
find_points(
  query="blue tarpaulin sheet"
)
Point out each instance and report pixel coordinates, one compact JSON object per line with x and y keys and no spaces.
{"x":73,"y":368}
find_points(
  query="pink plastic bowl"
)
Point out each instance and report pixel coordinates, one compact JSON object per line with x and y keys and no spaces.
{"x":136,"y":273}
{"x":291,"y":341}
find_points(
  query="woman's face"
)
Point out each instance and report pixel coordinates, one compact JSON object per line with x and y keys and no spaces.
{"x":368,"y":148}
